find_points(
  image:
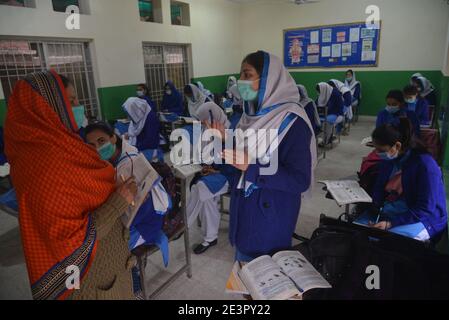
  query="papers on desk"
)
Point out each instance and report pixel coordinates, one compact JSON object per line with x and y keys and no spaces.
{"x":5,"y":170}
{"x":347,"y":192}
{"x":146,"y":178}
{"x":366,"y":141}
{"x":285,"y":276}
{"x":189,"y":120}
{"x":188,"y":170}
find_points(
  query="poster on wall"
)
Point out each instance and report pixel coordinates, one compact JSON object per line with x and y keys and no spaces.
{"x":332,"y":46}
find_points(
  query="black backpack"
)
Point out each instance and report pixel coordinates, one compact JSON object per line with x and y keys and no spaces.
{"x":408,"y":269}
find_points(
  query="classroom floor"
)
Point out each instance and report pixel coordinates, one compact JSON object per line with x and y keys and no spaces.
{"x":210,"y":270}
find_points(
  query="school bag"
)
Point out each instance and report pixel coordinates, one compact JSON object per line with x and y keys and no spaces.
{"x":343,"y":252}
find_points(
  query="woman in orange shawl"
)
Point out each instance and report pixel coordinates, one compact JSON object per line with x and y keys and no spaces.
{"x":69,"y":212}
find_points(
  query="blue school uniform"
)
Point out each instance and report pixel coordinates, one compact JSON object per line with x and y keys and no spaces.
{"x":149,"y":137}
{"x":264,"y":222}
{"x":421,"y":109}
{"x":310,"y":110}
{"x":356,"y":94}
{"x":335,"y":104}
{"x":385,"y":117}
{"x":173,"y":103}
{"x":425,"y":204}
{"x":347,"y":99}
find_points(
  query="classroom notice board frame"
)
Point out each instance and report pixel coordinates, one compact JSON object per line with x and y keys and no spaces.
{"x":314,"y":47}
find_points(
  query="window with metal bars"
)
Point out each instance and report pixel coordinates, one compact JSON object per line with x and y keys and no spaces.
{"x":72,"y":59}
{"x":164,"y":63}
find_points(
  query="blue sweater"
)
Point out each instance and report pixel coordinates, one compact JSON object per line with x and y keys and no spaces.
{"x":149,"y":137}
{"x":356,"y":95}
{"x":264,"y":222}
{"x":335,"y":104}
{"x":384,"y":117}
{"x":347,"y":99}
{"x":426,"y":203}
{"x":421,"y":109}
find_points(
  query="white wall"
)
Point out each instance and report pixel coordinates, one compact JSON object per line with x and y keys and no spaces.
{"x":413,"y":31}
{"x":117,"y":34}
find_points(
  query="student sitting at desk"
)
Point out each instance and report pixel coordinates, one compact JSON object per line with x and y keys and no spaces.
{"x":310,"y":107}
{"x":205,"y":91}
{"x":172,"y":101}
{"x":237,"y":106}
{"x":232,"y":81}
{"x":346,"y":94}
{"x":144,"y":93}
{"x":195,"y":98}
{"x":426,"y":90}
{"x":355,"y":86}
{"x":209,"y":186}
{"x":409,"y":190}
{"x":143,"y":131}
{"x":146,"y":228}
{"x":395,"y":110}
{"x":417,"y":104}
{"x":330,"y":97}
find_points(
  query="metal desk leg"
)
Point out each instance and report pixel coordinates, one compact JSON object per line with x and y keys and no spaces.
{"x":186,"y":232}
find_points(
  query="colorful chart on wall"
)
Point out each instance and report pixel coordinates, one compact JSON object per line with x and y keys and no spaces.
{"x":333,"y":46}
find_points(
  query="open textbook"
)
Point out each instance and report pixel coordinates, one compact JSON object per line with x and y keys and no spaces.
{"x":347,"y":192}
{"x":146,"y":178}
{"x":287,"y":275}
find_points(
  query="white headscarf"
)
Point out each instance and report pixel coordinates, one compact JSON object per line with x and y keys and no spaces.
{"x":427,"y":86}
{"x":199,"y":98}
{"x":278,"y":99}
{"x":325,"y":94}
{"x":353,"y":84}
{"x":305,"y":100}
{"x":237,"y":99}
{"x":210,"y":109}
{"x":231,"y":82}
{"x":138,"y":111}
{"x":206,"y":92}
{"x":340,"y":86}
{"x":415,"y":76}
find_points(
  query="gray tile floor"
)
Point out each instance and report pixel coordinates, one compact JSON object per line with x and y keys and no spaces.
{"x":210,"y":270}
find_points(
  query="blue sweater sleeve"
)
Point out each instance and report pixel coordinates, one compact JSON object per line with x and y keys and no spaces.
{"x":295,"y":161}
{"x":357,"y":92}
{"x":425,"y":203}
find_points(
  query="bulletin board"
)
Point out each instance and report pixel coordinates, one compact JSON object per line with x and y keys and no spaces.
{"x":332,"y":46}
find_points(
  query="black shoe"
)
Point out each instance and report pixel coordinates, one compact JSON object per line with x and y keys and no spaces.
{"x":199,"y":249}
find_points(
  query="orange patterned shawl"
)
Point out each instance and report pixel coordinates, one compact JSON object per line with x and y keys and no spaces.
{"x":59,"y":181}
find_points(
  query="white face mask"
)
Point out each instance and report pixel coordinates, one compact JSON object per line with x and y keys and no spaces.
{"x":168,"y":92}
{"x":140,"y":93}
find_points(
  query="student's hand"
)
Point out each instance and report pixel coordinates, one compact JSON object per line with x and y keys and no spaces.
{"x":237,"y":159}
{"x":126,"y":136}
{"x":128,"y":190}
{"x":219,"y":127}
{"x":383,"y":225}
{"x":208,"y":170}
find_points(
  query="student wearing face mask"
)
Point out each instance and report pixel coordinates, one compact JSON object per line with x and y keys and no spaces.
{"x":172,"y":100}
{"x":400,"y":206}
{"x":346,"y":95}
{"x":146,"y":228}
{"x":355,"y":86}
{"x":195,"y":98}
{"x":79,"y":111}
{"x":395,"y":110}
{"x":143,"y":92}
{"x":426,"y":90}
{"x":265,"y":205}
{"x":143,"y":131}
{"x":417,"y":104}
{"x":330,"y":97}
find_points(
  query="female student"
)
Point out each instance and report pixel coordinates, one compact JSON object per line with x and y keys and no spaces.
{"x":143,"y":132}
{"x":232,"y":81}
{"x":144,"y":93}
{"x":426,"y":90}
{"x":310,"y":107}
{"x":203,"y":89}
{"x":265,"y":205}
{"x":416,"y":104}
{"x":195,"y":98}
{"x":395,"y":110}
{"x":209,"y":186}
{"x":330,"y":97}
{"x":172,"y":101}
{"x":346,"y":94}
{"x":355,"y":87}
{"x":405,"y":209}
{"x":69,"y":215}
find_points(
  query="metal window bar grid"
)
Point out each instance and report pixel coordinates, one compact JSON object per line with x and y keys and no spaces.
{"x":72,"y":59}
{"x":164,"y":63}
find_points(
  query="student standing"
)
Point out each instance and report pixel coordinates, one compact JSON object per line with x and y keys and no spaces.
{"x":265,"y":206}
{"x":409,"y":192}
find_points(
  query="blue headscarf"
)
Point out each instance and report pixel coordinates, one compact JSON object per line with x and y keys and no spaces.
{"x":174,"y":102}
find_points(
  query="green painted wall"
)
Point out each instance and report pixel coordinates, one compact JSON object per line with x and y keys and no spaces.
{"x":2,"y":112}
{"x":112,"y":98}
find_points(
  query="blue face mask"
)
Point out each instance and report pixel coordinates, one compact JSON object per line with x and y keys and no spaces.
{"x":79,"y":115}
{"x":349,"y":79}
{"x":106,"y":151}
{"x":411,"y":101}
{"x":392,"y":109}
{"x":246,"y":90}
{"x":387,"y":157}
